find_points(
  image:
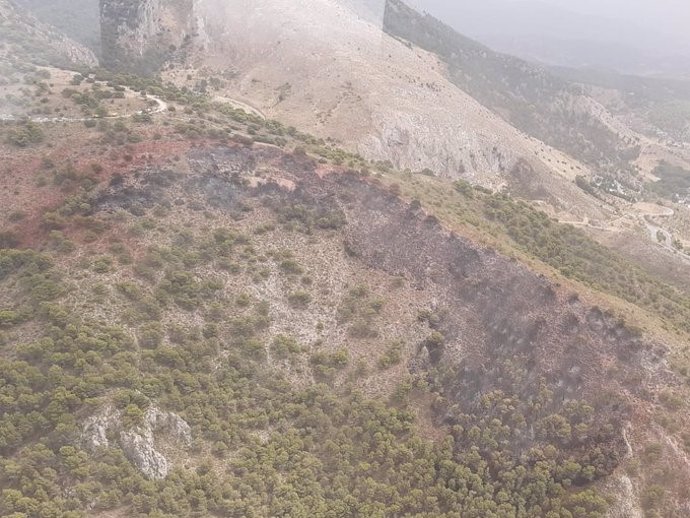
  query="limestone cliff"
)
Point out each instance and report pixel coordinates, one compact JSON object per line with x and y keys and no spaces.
{"x":140,"y":35}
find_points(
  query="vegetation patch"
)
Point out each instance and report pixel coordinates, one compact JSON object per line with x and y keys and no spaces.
{"x":673,"y":184}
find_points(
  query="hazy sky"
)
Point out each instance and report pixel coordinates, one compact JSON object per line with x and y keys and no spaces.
{"x":678,"y":10}
{"x":633,"y":36}
{"x":671,"y":17}
{"x":653,"y":14}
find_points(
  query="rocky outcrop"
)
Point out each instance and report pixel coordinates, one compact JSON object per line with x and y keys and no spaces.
{"x":141,"y":452}
{"x":138,"y":444}
{"x":140,"y":35}
{"x":170,"y":423}
{"x":95,"y":430}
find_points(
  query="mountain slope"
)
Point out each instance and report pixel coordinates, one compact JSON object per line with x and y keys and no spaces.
{"x":24,"y":38}
{"x":532,"y":99}
{"x":141,"y":36}
{"x":327,"y":68}
{"x":207,"y":310}
{"x":339,"y":76}
{"x":79,"y":20}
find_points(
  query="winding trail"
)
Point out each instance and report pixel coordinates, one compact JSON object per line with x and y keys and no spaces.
{"x":161,"y":106}
{"x":644,"y":214}
{"x":241,"y":106}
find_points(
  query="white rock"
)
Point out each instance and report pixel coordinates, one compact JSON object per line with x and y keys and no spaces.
{"x":141,"y":452}
{"x":138,"y":444}
{"x":95,"y":430}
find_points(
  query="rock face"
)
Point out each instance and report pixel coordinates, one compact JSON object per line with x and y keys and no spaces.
{"x":140,"y":451}
{"x":140,"y":35}
{"x":24,"y":37}
{"x":138,"y":443}
{"x":139,"y":446}
{"x":95,"y":430}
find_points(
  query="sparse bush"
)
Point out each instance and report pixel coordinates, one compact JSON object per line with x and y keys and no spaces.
{"x":283,"y":346}
{"x":102,"y":264}
{"x":8,"y":239}
{"x":299,"y":299}
{"x":8,"y":318}
{"x":653,"y":497}
{"x":25,"y":135}
{"x":392,"y":356}
{"x":291,"y":267}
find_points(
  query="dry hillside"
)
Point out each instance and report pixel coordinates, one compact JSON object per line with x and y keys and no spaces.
{"x":190,"y":306}
{"x":205,"y":311}
{"x":24,"y":38}
{"x":326,"y":70}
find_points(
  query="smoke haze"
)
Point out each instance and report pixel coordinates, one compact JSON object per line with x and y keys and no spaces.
{"x":636,"y":36}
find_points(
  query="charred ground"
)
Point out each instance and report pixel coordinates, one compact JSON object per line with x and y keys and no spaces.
{"x":244,"y":279}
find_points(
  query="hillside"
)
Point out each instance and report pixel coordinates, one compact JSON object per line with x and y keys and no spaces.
{"x":196,"y":299}
{"x":341,"y":78}
{"x":24,"y":39}
{"x":624,"y":128}
{"x":419,"y":95}
{"x":241,"y":291}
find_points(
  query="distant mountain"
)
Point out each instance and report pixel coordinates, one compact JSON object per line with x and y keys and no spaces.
{"x":552,"y":34}
{"x":528,"y":96}
{"x":654,"y":105}
{"x":78,"y":19}
{"x":24,"y":38}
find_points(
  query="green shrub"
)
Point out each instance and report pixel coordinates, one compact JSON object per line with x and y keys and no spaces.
{"x":337,"y":359}
{"x":102,"y":264}
{"x":392,"y":356}
{"x":9,"y":318}
{"x":25,"y":134}
{"x":283,"y":346}
{"x":150,"y":335}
